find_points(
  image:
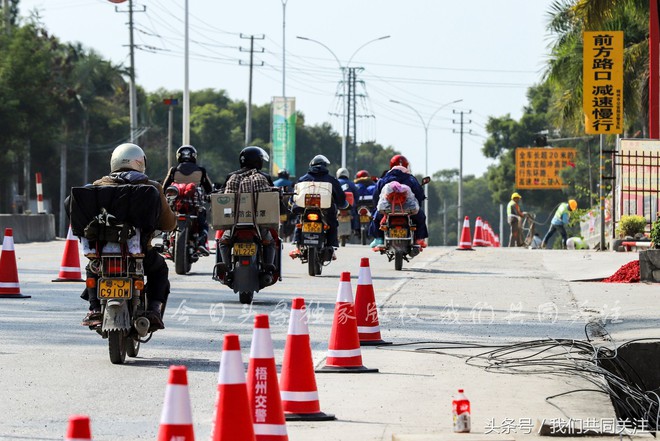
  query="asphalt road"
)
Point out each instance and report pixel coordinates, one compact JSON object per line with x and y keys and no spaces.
{"x":51,"y":367}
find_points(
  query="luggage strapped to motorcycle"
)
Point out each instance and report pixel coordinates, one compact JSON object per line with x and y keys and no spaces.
{"x":106,"y":228}
{"x":237,"y":204}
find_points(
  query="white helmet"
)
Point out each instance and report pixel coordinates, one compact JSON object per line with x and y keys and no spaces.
{"x":128,"y":156}
{"x":343,"y":173}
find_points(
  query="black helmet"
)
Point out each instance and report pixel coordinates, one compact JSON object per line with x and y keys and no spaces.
{"x":253,"y":157}
{"x":319,"y":160}
{"x":283,"y":174}
{"x":186,"y":153}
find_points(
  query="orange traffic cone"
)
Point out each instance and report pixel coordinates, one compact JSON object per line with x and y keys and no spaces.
{"x":263,"y":390}
{"x":478,"y":233}
{"x":232,"y":419}
{"x":488,"y":238}
{"x":300,"y":397}
{"x":497,"y":240}
{"x":214,"y":244}
{"x":79,"y":429}
{"x":70,"y":267}
{"x":344,"y":353}
{"x":366,"y":309}
{"x":176,"y":418}
{"x":464,"y":243}
{"x":9,"y":287}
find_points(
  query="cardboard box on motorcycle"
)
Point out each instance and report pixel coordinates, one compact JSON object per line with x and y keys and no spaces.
{"x":267,"y":213}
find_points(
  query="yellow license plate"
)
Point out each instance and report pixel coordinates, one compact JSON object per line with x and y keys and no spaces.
{"x":120,"y":288}
{"x":245,"y":249}
{"x":365,"y":219}
{"x":398,"y":233}
{"x":283,"y":217}
{"x":312,"y":227}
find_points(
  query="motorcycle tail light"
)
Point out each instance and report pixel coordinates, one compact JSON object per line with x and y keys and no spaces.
{"x":138,"y":284}
{"x":363,"y":212}
{"x":113,"y":265}
{"x":245,"y":262}
{"x":181,"y":218}
{"x":90,"y":283}
{"x":326,"y":227}
{"x":413,"y":228}
{"x":312,"y":217}
{"x":398,"y":220}
{"x":244,"y":234}
{"x":298,"y":225}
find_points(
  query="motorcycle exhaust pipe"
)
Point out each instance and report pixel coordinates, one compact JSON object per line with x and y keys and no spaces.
{"x":142,"y":326}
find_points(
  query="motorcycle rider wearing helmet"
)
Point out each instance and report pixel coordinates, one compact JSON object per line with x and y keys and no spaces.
{"x":247,"y":179}
{"x":399,"y":172}
{"x":365,"y":187}
{"x":187,"y":172}
{"x":128,"y":166}
{"x":318,"y":172}
{"x":283,"y":180}
{"x":560,"y":222}
{"x":343,"y":176}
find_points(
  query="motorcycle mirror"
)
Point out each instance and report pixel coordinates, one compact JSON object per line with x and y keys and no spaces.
{"x":426,"y":180}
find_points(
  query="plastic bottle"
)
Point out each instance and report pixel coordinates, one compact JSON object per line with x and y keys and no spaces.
{"x":461,"y":412}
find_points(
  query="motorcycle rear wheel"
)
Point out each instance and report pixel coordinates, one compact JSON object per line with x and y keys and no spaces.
{"x":246,"y":297}
{"x":363,"y":236}
{"x":312,"y":259}
{"x":342,"y":241}
{"x":398,"y":261}
{"x":117,"y":347}
{"x":181,"y":262}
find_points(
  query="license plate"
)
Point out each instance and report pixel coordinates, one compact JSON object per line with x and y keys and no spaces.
{"x":365,"y":219}
{"x":344,"y":219}
{"x":399,"y":233}
{"x":120,"y":288}
{"x":311,"y":242}
{"x":245,"y":249}
{"x":283,"y":217}
{"x":312,"y":227}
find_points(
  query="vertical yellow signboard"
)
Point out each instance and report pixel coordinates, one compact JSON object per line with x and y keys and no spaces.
{"x":602,"y":96}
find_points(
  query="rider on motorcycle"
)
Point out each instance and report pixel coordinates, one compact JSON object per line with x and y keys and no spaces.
{"x":189,"y":172}
{"x":399,"y":172}
{"x":343,"y":176}
{"x":247,"y":179}
{"x":364,"y":184}
{"x":318,"y":172}
{"x":128,"y":165}
{"x":283,"y":180}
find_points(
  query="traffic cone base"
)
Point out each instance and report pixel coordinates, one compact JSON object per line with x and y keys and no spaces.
{"x":9,"y":286}
{"x":318,"y":416}
{"x":70,"y":267}
{"x":346,"y":370}
{"x":374,"y":342}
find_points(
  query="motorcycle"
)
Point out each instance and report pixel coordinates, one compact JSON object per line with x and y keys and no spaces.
{"x":180,"y":245}
{"x":247,"y":272}
{"x":344,"y":219}
{"x":287,"y":221}
{"x":365,"y":204}
{"x":399,"y":232}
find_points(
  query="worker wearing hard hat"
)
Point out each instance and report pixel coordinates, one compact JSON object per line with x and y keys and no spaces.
{"x":514,"y":215}
{"x":559,"y":222}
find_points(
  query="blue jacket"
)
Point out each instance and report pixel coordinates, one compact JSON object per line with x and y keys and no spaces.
{"x":401,"y":178}
{"x":348,"y":185}
{"x":319,"y":173}
{"x":283,"y":183}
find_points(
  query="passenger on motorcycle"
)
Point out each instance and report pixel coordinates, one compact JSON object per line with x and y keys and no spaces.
{"x":318,"y":172}
{"x":247,"y":179}
{"x":343,"y":176}
{"x":365,"y":186}
{"x":283,"y":180}
{"x":128,"y":165}
{"x":189,"y":172}
{"x":399,"y":172}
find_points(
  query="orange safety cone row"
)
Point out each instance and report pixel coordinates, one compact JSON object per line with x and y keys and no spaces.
{"x":263,"y":389}
{"x":70,"y":267}
{"x":465,"y":242}
{"x":344,"y":353}
{"x":9,"y":286}
{"x":366,"y":309}
{"x":478,"y":233}
{"x":300,"y":397}
{"x":79,"y":429}
{"x":232,"y":418}
{"x":176,"y":418}
{"x":489,"y":235}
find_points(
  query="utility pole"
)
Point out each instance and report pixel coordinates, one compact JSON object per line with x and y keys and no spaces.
{"x":351,"y":113}
{"x":462,"y":122}
{"x":132,"y":92}
{"x":170,"y":102}
{"x":248,"y":112}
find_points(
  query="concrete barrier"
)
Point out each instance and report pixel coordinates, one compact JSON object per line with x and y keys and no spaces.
{"x":29,"y":227}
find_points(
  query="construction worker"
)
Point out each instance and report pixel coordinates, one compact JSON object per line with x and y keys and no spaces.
{"x":576,"y":243}
{"x":514,"y":217}
{"x":560,"y":222}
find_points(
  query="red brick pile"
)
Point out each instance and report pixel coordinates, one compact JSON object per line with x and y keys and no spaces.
{"x":628,"y":273}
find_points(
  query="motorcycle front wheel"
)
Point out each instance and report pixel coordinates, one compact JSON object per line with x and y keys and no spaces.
{"x":181,"y":263}
{"x":117,"y":347}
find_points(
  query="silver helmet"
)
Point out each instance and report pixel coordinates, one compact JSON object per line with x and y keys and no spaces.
{"x":128,"y":156}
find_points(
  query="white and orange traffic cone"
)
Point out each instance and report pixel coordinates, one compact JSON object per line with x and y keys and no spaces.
{"x":465,"y":242}
{"x":232,"y":418}
{"x":488,"y":239}
{"x":78,"y":429}
{"x":478,"y":240}
{"x":344,"y":353}
{"x":366,"y":309}
{"x":9,"y":286}
{"x":300,"y":397}
{"x":263,"y":389}
{"x":70,"y":267}
{"x":497,"y":240}
{"x":176,"y":418}
{"x":216,"y":241}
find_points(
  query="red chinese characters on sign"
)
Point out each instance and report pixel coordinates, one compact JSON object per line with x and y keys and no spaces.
{"x":538,"y":168}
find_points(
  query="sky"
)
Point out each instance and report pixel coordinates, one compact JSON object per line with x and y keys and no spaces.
{"x":486,"y":53}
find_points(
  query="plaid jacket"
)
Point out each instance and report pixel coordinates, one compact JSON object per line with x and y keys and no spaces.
{"x":248,"y":181}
